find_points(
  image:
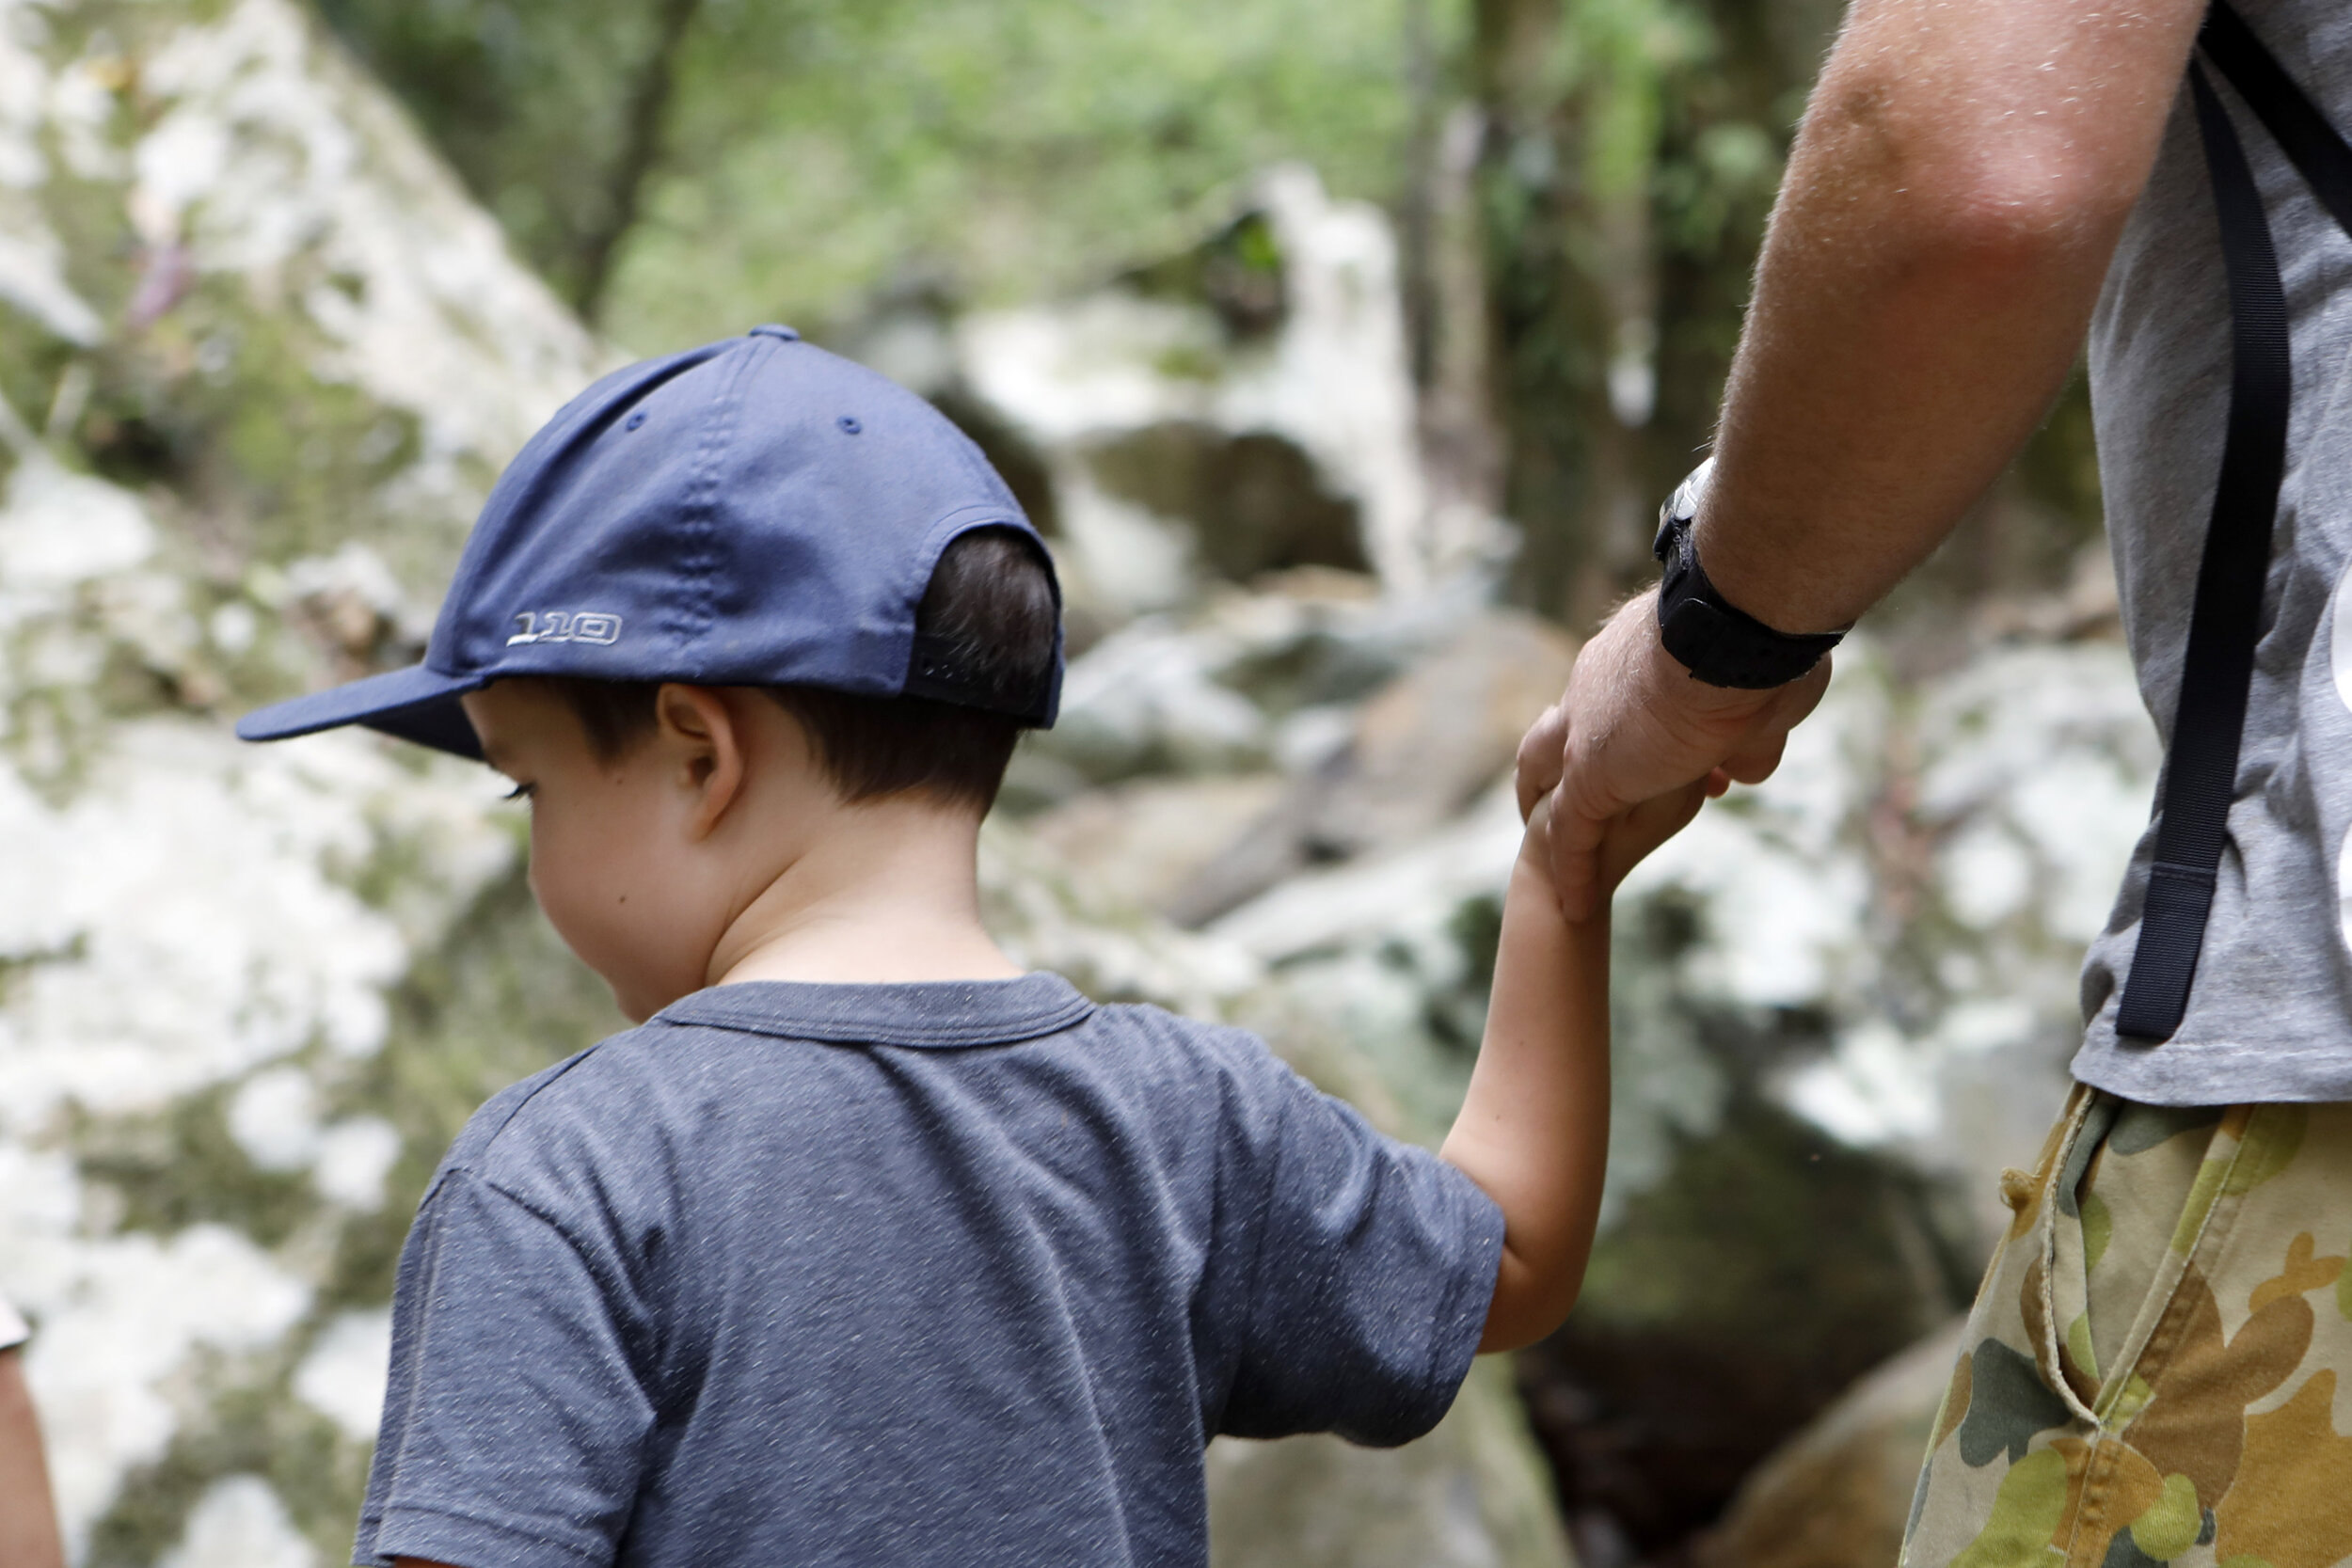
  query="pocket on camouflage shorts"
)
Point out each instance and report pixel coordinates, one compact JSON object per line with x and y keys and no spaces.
{"x":2155,"y":1369}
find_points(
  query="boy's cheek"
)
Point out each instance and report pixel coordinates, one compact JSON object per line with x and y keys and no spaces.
{"x":608,"y":913}
{"x":568,"y":891}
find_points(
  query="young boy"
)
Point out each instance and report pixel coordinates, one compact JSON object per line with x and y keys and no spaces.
{"x":868,"y":1246}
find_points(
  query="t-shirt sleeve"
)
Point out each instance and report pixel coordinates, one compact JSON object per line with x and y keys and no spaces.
{"x":14,"y":1331}
{"x":1374,"y":1264}
{"x":515,"y":1418}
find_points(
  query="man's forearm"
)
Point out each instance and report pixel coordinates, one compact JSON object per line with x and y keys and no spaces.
{"x":1949,"y":209}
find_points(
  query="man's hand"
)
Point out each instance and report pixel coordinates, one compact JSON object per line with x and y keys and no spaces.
{"x":1633,"y":727}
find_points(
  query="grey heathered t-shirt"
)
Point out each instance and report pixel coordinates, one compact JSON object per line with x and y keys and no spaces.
{"x":931,"y":1274}
{"x":2270,"y":1014}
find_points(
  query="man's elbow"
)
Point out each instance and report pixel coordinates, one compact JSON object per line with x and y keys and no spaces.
{"x":2016,"y":222}
{"x":1996,"y":199}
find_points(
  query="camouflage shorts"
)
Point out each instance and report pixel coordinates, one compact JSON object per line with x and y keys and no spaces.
{"x":2151,"y":1371}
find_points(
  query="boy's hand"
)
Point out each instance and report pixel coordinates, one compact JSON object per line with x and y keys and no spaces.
{"x":1628,"y":837}
{"x":1631,"y":723}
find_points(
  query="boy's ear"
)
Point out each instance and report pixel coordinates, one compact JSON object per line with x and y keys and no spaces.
{"x":701,"y":740}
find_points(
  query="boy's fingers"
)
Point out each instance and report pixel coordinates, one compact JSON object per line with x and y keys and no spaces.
{"x":1670,"y":812}
{"x":1761,"y":750}
{"x":1542,"y":757}
{"x":1575,"y":859}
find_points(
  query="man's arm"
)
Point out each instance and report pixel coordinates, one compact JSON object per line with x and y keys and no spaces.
{"x":1533,"y":1128}
{"x":28,"y":1516}
{"x":1955,"y":192}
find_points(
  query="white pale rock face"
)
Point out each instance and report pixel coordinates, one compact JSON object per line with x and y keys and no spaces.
{"x":1333,"y":379}
{"x":182,"y":926}
{"x":269,"y":149}
{"x":59,"y":529}
{"x":32,"y":259}
{"x":115,"y":1319}
{"x":182,"y":922}
{"x":354,"y":1156}
{"x":183,"y":916}
{"x":342,"y":1377}
{"x":274,"y":1117}
{"x":2027,"y":776}
{"x":240,"y":1523}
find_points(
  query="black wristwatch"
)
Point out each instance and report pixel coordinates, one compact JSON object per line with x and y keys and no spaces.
{"x":1716,"y":640}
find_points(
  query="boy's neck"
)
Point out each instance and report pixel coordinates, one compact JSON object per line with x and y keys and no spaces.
{"x":889,"y":896}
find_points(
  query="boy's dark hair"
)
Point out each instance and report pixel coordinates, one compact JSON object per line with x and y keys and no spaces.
{"x":990,"y":604}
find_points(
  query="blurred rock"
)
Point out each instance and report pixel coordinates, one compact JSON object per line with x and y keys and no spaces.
{"x":1149,"y":699}
{"x":1218,"y":687}
{"x":1253,"y":503}
{"x":1744,"y":1291}
{"x":1244,"y":407}
{"x":1142,"y":840}
{"x":1418,"y":751}
{"x":1839,"y":1492}
{"x":1316,"y":1503}
{"x":1896,"y":918}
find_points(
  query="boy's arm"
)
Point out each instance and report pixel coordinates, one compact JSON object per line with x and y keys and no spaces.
{"x":28,"y":1516}
{"x":1533,"y":1130}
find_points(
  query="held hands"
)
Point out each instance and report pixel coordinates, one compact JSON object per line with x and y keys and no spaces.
{"x":1626,"y":839}
{"x":1633,"y":729}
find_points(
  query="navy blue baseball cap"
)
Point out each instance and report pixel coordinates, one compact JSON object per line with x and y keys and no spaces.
{"x":756,"y":512}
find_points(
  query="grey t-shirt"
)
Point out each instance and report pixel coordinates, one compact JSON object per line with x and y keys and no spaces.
{"x":931,"y":1274}
{"x":2270,"y":1015}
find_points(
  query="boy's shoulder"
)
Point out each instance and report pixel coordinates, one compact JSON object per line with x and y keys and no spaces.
{"x":605,"y":1102}
{"x":491,"y":1120}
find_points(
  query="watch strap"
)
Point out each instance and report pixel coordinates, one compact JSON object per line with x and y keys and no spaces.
{"x":1716,"y":640}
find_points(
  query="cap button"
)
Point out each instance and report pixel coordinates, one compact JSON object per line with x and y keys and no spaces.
{"x":772,"y":331}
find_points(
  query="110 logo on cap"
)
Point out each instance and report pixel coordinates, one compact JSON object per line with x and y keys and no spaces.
{"x":557,"y":626}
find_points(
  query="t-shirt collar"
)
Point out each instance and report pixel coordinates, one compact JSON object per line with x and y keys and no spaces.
{"x":937,"y":1013}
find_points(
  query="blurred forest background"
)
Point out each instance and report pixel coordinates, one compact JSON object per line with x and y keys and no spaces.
{"x":1578,"y":191}
{"x":1344,"y":351}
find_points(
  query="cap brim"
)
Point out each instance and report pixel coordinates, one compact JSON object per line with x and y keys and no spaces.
{"x":417,"y":703}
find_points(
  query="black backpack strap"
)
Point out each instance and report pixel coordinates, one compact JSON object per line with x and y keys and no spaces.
{"x":2201,"y":775}
{"x":2302,"y":132}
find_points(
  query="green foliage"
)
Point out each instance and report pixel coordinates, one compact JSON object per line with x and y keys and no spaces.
{"x":1636,"y":147}
{"x":255,"y":1427}
{"x":527,"y":98}
{"x":1771,"y":1234}
{"x":181,"y":1166}
{"x":816,"y":151}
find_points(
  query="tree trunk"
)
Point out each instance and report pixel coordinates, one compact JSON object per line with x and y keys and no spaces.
{"x":641,"y":146}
